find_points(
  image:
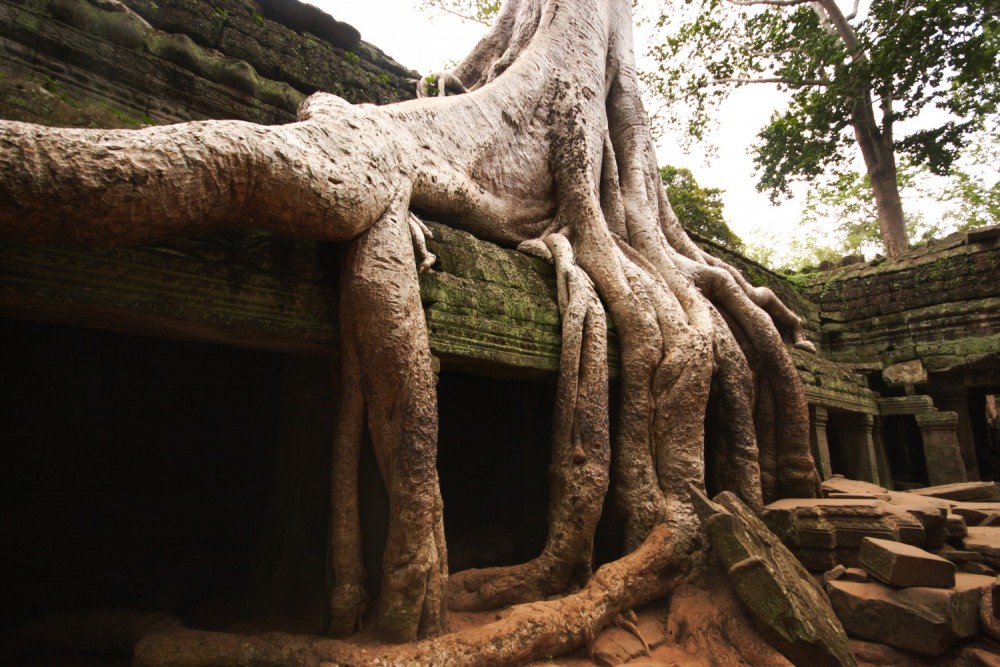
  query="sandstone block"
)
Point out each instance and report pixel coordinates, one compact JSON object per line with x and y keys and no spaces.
{"x":836,"y":572}
{"x":925,"y":620}
{"x":904,"y":565}
{"x":975,"y":513}
{"x":972,"y":567}
{"x":787,"y":605}
{"x":984,"y":540}
{"x":840,"y":484}
{"x":958,"y":557}
{"x":964,"y":491}
{"x":856,"y":574}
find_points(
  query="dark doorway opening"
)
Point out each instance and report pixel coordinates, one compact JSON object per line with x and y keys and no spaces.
{"x":493,"y":458}
{"x":137,"y":471}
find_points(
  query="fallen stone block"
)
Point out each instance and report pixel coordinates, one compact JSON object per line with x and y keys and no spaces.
{"x":974,"y":513}
{"x":963,"y":491}
{"x":971,"y":567}
{"x":899,"y":564}
{"x":840,"y":484}
{"x":929,"y":513}
{"x":957,"y":557}
{"x":925,"y":620}
{"x":956,"y":527}
{"x":983,"y":540}
{"x":856,"y":574}
{"x":836,"y":572}
{"x":787,"y":605}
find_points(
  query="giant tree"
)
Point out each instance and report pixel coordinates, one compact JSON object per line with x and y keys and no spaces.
{"x":851,"y":78}
{"x":549,"y":151}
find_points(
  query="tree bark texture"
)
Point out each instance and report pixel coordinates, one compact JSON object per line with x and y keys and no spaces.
{"x":549,"y":150}
{"x":879,"y":155}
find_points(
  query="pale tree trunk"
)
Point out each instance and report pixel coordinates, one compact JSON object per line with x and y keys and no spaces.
{"x":550,"y":150}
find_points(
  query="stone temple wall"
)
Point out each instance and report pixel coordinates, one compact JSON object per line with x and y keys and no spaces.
{"x":940,"y":304}
{"x":105,"y":66}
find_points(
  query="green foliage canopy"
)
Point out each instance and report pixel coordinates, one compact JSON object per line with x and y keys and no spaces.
{"x":897,"y":59}
{"x":699,"y":209}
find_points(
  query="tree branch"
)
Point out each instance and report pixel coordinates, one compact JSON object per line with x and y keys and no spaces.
{"x":763,"y":54}
{"x":830,"y":15}
{"x":445,"y":9}
{"x":795,"y":83}
{"x":771,"y":3}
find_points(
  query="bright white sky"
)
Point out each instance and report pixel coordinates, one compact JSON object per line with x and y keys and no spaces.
{"x":429,"y":42}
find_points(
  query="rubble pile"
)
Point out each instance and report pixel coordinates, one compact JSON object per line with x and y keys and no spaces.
{"x":914,"y":570}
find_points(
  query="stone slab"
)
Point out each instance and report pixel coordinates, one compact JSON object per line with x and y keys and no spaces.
{"x":899,"y":564}
{"x":984,"y":540}
{"x":974,"y":513}
{"x":856,"y":574}
{"x":964,"y":491}
{"x":787,"y":605}
{"x":840,"y":484}
{"x":925,"y":620}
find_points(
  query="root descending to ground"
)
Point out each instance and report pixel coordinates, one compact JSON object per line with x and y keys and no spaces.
{"x":549,"y":148}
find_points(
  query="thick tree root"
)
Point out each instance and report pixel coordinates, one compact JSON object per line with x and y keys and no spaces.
{"x":526,"y":632}
{"x":581,"y":454}
{"x":384,"y":325}
{"x":551,"y":140}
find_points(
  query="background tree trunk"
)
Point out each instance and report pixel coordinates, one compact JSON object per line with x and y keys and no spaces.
{"x":880,"y":163}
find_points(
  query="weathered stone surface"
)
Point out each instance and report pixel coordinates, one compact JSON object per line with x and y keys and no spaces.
{"x":931,"y":513}
{"x":989,"y":611}
{"x":984,"y":540}
{"x":825,"y":532}
{"x":905,"y":565}
{"x":80,"y":52}
{"x":970,"y":492}
{"x":906,"y":405}
{"x":907,"y":372}
{"x":272,"y":41}
{"x":939,"y":304}
{"x":836,"y":572}
{"x":972,"y":567}
{"x":956,"y":527}
{"x":485,"y":305}
{"x":855,"y":574}
{"x":926,"y":620}
{"x":974,"y":513}
{"x":787,"y":605}
{"x":842,"y":485}
{"x":956,"y":556}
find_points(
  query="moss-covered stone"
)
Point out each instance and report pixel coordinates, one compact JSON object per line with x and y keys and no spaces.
{"x":938,"y":304}
{"x":278,"y":47}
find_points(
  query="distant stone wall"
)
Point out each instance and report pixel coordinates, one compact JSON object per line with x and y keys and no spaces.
{"x":940,"y":304}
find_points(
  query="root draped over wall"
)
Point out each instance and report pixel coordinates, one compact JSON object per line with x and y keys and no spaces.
{"x":548,"y":150}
